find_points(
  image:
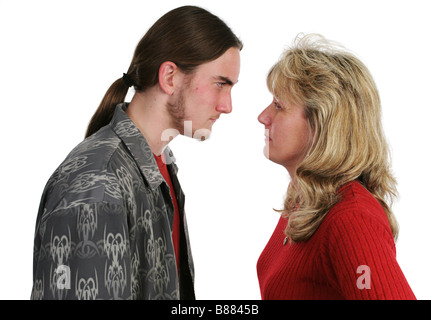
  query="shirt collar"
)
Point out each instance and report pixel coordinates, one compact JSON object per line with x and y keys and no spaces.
{"x":138,"y":146}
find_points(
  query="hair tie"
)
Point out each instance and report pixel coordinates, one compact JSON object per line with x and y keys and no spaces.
{"x":127,"y":80}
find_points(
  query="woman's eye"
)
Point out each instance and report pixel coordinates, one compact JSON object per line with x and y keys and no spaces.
{"x":277,"y":105}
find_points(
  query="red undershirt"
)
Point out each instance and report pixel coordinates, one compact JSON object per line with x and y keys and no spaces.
{"x":176,"y":228}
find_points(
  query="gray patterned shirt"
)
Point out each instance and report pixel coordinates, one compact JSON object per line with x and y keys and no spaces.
{"x":103,"y":230}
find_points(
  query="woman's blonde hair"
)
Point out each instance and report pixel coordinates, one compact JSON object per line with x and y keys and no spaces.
{"x":342,"y":106}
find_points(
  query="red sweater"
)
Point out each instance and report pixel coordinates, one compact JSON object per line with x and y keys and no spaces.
{"x":350,"y":256}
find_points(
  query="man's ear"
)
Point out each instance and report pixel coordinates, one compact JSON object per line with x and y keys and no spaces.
{"x":167,"y":71}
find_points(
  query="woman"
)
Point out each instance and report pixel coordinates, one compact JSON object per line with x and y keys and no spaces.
{"x":335,"y":237}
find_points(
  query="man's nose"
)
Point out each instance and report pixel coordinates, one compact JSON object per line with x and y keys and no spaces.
{"x":225,"y":105}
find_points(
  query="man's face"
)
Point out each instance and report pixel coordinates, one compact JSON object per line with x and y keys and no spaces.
{"x":206,"y":95}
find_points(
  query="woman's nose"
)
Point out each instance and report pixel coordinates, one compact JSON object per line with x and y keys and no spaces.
{"x":264,"y":117}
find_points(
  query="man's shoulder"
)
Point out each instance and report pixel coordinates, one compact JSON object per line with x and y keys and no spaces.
{"x":103,"y":142}
{"x":85,"y":171}
{"x":91,"y":155}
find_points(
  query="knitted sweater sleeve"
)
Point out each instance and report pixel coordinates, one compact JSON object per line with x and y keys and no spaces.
{"x":360,"y":258}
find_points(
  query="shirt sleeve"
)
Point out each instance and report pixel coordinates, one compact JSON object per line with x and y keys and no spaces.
{"x":82,"y":252}
{"x":361,"y":258}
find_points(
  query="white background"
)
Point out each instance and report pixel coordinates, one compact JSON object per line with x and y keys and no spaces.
{"x":58,"y":58}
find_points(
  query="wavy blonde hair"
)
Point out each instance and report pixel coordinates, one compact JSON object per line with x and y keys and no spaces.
{"x":342,"y":106}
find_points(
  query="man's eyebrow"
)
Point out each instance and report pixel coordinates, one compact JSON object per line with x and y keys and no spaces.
{"x":225,"y":79}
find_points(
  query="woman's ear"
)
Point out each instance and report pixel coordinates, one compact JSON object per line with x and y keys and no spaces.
{"x":167,"y":71}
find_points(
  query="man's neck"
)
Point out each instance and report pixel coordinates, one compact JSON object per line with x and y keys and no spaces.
{"x":148,"y":112}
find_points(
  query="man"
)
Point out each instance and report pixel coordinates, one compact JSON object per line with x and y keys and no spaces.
{"x":111,"y":223}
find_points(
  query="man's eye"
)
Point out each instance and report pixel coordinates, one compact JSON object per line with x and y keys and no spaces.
{"x":220,"y":84}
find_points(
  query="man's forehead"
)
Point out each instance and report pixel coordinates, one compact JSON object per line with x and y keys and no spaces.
{"x":224,"y":68}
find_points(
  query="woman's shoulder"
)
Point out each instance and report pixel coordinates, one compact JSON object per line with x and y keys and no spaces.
{"x":354,"y":196}
{"x":358,"y":209}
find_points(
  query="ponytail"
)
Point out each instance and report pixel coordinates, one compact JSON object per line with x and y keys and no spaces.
{"x":116,"y":94}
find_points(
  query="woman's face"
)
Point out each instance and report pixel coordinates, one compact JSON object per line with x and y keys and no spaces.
{"x":287,"y":134}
